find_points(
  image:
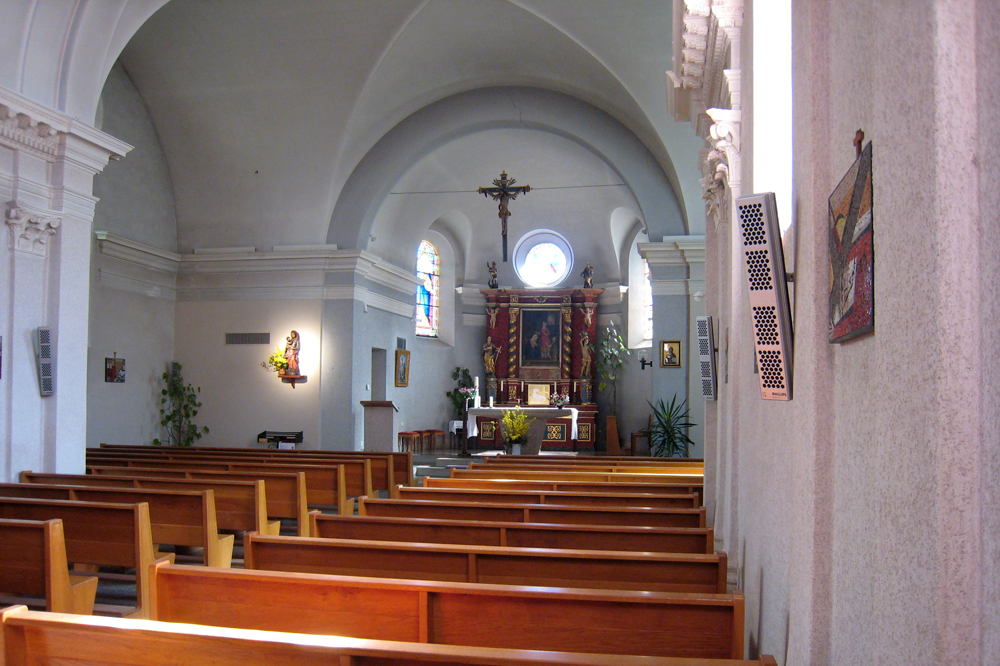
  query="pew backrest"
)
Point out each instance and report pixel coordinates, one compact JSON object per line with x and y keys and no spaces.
{"x":689,"y":501}
{"x":618,"y":570}
{"x":97,"y":533}
{"x":522,"y":535}
{"x":575,"y":486}
{"x":33,"y":562}
{"x":533,"y":513}
{"x":177,"y":517}
{"x":31,"y":637}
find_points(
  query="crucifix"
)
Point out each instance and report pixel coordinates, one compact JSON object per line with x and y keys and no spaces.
{"x":504,"y":191}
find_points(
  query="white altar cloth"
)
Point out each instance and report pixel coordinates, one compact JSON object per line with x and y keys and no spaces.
{"x":540,"y":413}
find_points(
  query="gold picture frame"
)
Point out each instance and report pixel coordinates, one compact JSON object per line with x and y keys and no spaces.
{"x":538,"y":394}
{"x":670,"y":354}
{"x":402,"y":367}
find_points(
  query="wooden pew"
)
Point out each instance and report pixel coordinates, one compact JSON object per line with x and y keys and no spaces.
{"x":692,"y":463}
{"x":401,"y":461}
{"x":98,"y":533}
{"x":285,"y":493}
{"x":688,"y":501}
{"x":177,"y":517}
{"x":326,"y":485}
{"x":520,"y":535}
{"x":482,"y":615}
{"x":240,"y":506}
{"x":575,"y":486}
{"x":33,"y":562}
{"x":31,"y":638}
{"x":617,"y":570}
{"x":533,"y":513}
{"x":379,"y":468}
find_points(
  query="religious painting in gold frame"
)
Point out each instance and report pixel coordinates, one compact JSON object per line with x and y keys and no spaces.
{"x":538,"y":394}
{"x":541,"y":338}
{"x":670,"y":354}
{"x":402,"y":367}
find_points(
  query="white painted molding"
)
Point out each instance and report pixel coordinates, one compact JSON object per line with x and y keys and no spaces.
{"x":669,"y":287}
{"x":111,"y":245}
{"x":31,"y":228}
{"x":470,"y":319}
{"x":674,"y":251}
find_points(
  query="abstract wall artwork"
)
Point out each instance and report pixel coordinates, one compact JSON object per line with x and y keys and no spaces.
{"x":852,"y":262}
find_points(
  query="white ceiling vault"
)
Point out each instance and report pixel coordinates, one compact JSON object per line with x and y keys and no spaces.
{"x":304,"y":121}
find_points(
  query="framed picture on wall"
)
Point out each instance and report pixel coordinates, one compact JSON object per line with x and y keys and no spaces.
{"x":402,"y":367}
{"x":114,"y":370}
{"x":541,"y":338}
{"x":670,"y":354}
{"x":538,"y":394}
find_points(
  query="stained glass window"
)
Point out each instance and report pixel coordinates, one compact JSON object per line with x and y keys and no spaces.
{"x":647,"y":303}
{"x":429,"y":290}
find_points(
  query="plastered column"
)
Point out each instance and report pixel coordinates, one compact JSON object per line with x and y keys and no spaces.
{"x":47,"y":165}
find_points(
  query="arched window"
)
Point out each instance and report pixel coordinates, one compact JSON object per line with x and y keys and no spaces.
{"x":429,"y":290}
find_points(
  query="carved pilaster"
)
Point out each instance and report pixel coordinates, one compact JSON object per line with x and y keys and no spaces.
{"x":30,"y":230}
{"x":20,"y":130}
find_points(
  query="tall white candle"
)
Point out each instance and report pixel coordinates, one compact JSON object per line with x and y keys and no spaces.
{"x":475,"y":382}
{"x":491,"y":402}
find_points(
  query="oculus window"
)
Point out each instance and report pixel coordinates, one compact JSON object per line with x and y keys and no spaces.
{"x":542,"y":258}
{"x":429,"y":290}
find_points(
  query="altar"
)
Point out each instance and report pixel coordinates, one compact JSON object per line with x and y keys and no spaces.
{"x":536,"y":430}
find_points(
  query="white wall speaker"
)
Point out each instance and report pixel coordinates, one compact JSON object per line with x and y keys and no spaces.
{"x":44,"y":361}
{"x":769,"y":305}
{"x":706,"y":358}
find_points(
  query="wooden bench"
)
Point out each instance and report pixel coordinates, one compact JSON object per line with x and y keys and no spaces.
{"x":533,"y":513}
{"x":617,"y":570}
{"x":177,"y":517}
{"x":240,"y":506}
{"x":285,"y":494}
{"x":693,"y":463}
{"x":688,"y":501}
{"x":676,"y":474}
{"x":98,"y":534}
{"x":520,"y":535}
{"x":379,"y":468}
{"x":482,"y":615}
{"x":401,"y":462}
{"x":575,"y":486}
{"x":33,"y":562}
{"x":31,"y":638}
{"x":326,"y":485}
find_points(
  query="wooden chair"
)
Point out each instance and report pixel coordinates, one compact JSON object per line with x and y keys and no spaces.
{"x":33,"y":562}
{"x":429,"y":439}
{"x":409,"y":440}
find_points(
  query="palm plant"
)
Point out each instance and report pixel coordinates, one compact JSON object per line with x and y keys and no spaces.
{"x":667,"y":433}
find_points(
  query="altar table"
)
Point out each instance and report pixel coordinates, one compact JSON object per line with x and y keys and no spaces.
{"x":536,"y":431}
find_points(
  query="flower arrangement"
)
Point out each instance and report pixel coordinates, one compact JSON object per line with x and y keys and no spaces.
{"x":514,"y":425}
{"x":467,"y":392}
{"x":560,"y":400}
{"x":276,"y":362}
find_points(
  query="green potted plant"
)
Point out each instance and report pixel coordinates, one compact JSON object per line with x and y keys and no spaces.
{"x":667,"y":433}
{"x":611,"y":353}
{"x":461,"y":393}
{"x":179,"y":405}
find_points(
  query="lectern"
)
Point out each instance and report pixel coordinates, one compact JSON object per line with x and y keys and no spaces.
{"x":380,"y":425}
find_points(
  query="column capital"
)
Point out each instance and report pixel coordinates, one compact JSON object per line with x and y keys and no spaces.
{"x":31,"y":229}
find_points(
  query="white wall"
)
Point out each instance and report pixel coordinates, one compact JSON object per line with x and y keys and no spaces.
{"x":864,"y":513}
{"x":239,"y":397}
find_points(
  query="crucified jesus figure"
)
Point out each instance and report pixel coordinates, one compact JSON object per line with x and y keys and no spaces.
{"x":504,"y":191}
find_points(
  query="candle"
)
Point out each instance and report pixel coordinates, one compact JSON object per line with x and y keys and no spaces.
{"x":475,"y":382}
{"x":491,"y":402}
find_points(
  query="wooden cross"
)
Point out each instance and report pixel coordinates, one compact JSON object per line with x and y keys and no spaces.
{"x":503,"y":190}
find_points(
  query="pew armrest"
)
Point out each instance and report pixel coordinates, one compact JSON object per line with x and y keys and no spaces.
{"x":83,"y":591}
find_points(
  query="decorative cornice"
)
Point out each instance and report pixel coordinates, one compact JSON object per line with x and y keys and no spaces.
{"x":147,"y":256}
{"x":674,"y":251}
{"x":31,"y":229}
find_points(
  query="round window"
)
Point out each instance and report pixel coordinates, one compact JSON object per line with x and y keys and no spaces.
{"x":542,"y":258}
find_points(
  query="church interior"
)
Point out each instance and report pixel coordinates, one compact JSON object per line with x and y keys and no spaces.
{"x":390,"y":191}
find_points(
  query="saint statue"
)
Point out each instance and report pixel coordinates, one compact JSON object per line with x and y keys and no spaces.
{"x":584,"y":355}
{"x":490,"y":352}
{"x":494,"y":283}
{"x":588,"y":276}
{"x":292,"y":345}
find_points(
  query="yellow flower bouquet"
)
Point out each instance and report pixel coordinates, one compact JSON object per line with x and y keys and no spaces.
{"x":514,"y":426}
{"x":276,"y":362}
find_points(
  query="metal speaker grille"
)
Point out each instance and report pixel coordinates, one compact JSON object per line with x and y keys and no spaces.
{"x":768,"y":294}
{"x":706,"y":357}
{"x":43,"y":361}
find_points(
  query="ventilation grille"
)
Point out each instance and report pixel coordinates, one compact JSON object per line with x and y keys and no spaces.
{"x":248,"y":338}
{"x":43,"y":358}
{"x":706,"y":358}
{"x":768,"y":291}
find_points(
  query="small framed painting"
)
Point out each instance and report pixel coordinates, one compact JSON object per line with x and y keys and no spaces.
{"x":670,"y":354}
{"x":114,"y":370}
{"x":538,"y":394}
{"x":402,"y":367}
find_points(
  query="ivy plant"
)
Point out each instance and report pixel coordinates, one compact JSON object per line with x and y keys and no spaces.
{"x":179,"y":405}
{"x":611,"y":354}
